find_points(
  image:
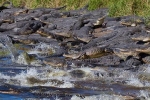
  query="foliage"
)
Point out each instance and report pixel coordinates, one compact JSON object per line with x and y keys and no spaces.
{"x":116,"y":7}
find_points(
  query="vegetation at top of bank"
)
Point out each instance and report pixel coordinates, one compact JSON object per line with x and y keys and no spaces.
{"x":116,"y":7}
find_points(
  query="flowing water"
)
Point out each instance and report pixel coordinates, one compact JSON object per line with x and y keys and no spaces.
{"x":23,"y":81}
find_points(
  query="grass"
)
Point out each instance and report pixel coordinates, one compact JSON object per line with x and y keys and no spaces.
{"x":116,"y":7}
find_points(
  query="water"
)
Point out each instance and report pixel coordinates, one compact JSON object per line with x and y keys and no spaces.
{"x":23,"y":81}
{"x":48,"y":83}
{"x":9,"y":97}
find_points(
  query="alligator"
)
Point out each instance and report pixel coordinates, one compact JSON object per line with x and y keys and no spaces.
{"x":125,"y":53}
{"x":45,"y":33}
{"x":67,"y":93}
{"x":145,"y":49}
{"x":29,"y":39}
{"x":7,"y":26}
{"x":29,"y":28}
{"x":94,"y":42}
{"x":44,"y":18}
{"x":106,"y":60}
{"x":6,"y":18}
{"x":99,"y":21}
{"x":78,"y":24}
{"x":58,"y":28}
{"x":83,"y":34}
{"x":42,"y":91}
{"x":26,"y":17}
{"x":62,"y":33}
{"x":65,"y":23}
{"x":121,"y":35}
{"x":121,"y":89}
{"x":131,"y":62}
{"x":35,"y":39}
{"x":55,"y":34}
{"x":77,"y":13}
{"x":131,"y":20}
{"x":15,"y":11}
{"x":143,"y":36}
{"x":114,"y":25}
{"x":43,"y":50}
{"x":92,"y":52}
{"x":46,"y":10}
{"x":55,"y":62}
{"x":146,"y":59}
{"x":61,"y":23}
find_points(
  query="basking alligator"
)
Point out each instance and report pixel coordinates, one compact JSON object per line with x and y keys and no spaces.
{"x":30,"y":28}
{"x":143,"y":36}
{"x":107,"y":60}
{"x":92,"y":52}
{"x":53,"y":33}
{"x":94,"y":42}
{"x":124,"y":53}
{"x":84,"y":33}
{"x":144,"y":50}
{"x":131,"y":20}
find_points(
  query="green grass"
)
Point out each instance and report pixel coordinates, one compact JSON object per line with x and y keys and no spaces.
{"x":119,"y":8}
{"x":94,"y":4}
{"x":116,"y":7}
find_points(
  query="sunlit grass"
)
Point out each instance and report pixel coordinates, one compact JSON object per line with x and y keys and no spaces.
{"x":116,"y":7}
{"x":94,"y":4}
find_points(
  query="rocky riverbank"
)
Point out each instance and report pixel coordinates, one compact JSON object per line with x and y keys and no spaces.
{"x":48,"y":48}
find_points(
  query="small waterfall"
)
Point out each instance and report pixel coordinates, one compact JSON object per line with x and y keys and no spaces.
{"x":7,"y":42}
